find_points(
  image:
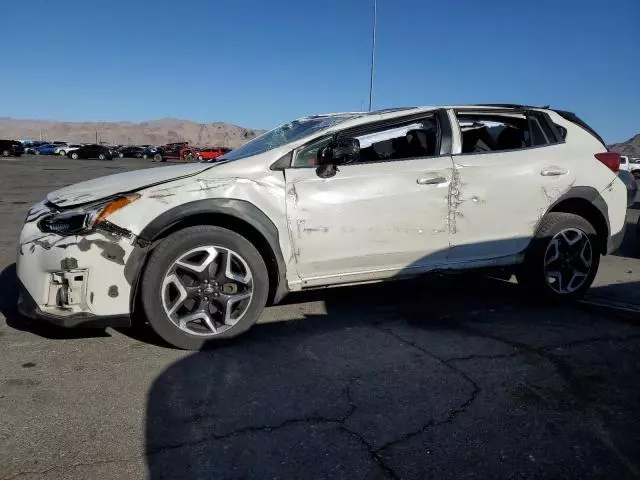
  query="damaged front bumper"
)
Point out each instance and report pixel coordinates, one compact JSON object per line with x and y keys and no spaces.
{"x":75,"y":280}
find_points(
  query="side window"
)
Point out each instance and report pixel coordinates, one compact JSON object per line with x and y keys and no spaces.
{"x":307,"y":156}
{"x":413,"y":140}
{"x":494,"y":132}
{"x":416,"y":139}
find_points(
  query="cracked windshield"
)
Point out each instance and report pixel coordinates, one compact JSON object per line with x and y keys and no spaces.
{"x":283,"y":240}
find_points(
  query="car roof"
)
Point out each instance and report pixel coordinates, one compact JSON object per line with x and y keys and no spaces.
{"x":359,"y":118}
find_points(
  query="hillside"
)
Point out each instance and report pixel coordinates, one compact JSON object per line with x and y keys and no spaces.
{"x":631,"y":147}
{"x":154,"y":132}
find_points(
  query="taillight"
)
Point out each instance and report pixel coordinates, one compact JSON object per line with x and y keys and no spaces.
{"x":610,"y":159}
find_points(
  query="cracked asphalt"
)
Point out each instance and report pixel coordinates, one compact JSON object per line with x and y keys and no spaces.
{"x":442,"y":377}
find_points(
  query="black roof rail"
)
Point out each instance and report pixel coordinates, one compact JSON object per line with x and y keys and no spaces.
{"x":508,"y":105}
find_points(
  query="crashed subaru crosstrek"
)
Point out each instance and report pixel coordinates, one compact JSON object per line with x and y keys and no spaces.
{"x":199,"y":250}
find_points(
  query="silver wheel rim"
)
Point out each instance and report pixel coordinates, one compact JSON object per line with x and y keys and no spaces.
{"x":568,"y":260}
{"x":207,"y":290}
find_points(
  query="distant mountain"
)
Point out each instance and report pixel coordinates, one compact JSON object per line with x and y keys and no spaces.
{"x":154,"y":132}
{"x":631,"y":147}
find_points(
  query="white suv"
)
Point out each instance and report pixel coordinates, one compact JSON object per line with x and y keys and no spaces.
{"x":200,"y":249}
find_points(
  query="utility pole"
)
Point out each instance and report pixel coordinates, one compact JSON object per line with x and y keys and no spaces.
{"x":373,"y":52}
{"x":96,"y":137}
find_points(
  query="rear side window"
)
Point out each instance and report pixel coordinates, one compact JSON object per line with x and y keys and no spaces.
{"x":500,"y":131}
{"x":573,"y":118}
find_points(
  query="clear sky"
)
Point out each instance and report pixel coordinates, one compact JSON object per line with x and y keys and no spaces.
{"x":257,"y":63}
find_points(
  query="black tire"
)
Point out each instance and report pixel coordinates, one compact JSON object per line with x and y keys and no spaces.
{"x":75,"y":156}
{"x":62,"y":153}
{"x":102,"y":157}
{"x":121,"y":155}
{"x":158,"y":158}
{"x":531,"y":274}
{"x":168,"y":251}
{"x":37,"y":152}
{"x":5,"y":153}
{"x":144,"y":156}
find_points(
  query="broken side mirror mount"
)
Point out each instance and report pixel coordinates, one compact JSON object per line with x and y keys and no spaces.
{"x":340,"y":151}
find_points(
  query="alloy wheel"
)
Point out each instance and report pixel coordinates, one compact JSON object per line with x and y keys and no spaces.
{"x":207,"y":290}
{"x":568,"y":260}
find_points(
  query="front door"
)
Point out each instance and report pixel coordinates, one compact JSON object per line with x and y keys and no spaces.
{"x":385,"y":215}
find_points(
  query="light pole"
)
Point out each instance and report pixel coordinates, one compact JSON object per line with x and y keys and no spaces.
{"x":373,"y":52}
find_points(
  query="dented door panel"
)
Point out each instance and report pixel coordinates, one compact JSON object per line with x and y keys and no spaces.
{"x":369,"y":221}
{"x":498,"y":199}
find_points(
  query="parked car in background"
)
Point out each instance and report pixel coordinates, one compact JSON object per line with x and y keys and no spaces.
{"x":530,"y":189}
{"x":632,"y":186}
{"x":174,"y":151}
{"x":131,"y":152}
{"x":11,"y":148}
{"x":148,"y":152}
{"x":630,"y":164}
{"x":65,"y":149}
{"x":31,"y":147}
{"x":93,"y":151}
{"x":47,"y":149}
{"x":211,"y":153}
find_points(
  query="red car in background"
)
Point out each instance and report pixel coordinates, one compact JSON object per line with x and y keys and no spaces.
{"x":210,"y":154}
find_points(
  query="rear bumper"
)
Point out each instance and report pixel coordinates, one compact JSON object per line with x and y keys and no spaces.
{"x":615,"y":241}
{"x":28,"y":307}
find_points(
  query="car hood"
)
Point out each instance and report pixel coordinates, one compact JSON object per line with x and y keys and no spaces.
{"x":103,"y":187}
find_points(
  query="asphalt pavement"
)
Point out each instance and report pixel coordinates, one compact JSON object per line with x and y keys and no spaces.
{"x":442,"y":377}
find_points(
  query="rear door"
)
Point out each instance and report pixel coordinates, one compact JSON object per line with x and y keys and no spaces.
{"x":509,"y":168}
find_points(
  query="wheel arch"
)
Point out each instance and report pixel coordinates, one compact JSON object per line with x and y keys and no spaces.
{"x":588,"y":204}
{"x":239,"y":216}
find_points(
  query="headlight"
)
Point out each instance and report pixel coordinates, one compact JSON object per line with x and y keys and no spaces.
{"x":87,"y":217}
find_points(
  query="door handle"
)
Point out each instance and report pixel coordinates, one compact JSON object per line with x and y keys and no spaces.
{"x":431,"y":180}
{"x":553,"y":172}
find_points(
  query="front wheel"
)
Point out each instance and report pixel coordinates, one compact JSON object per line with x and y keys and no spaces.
{"x":101,"y":157}
{"x":203,"y":284}
{"x":563,"y":259}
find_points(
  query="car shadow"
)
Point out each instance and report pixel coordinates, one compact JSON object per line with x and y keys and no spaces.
{"x":9,"y":309}
{"x":324,"y":396}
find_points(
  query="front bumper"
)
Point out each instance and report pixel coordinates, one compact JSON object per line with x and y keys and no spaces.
{"x":28,"y":307}
{"x":74,"y":280}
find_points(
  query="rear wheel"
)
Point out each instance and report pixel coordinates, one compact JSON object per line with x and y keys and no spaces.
{"x":203,"y":284}
{"x":157,"y":158}
{"x":75,"y":156}
{"x":144,"y":156}
{"x":101,"y":157}
{"x":563,"y":259}
{"x":37,"y":152}
{"x":5,"y":153}
{"x":121,"y":155}
{"x":62,"y":153}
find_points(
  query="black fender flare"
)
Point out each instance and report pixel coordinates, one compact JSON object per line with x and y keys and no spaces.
{"x":589,"y":194}
{"x":240,"y":209}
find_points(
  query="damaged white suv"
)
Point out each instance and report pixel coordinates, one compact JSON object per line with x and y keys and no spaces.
{"x":200,"y":249}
